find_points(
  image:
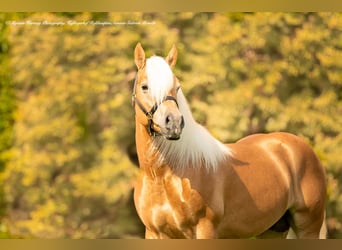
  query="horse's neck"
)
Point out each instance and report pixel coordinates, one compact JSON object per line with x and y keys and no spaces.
{"x":163,"y":173}
{"x":148,"y":161}
{"x":146,"y":158}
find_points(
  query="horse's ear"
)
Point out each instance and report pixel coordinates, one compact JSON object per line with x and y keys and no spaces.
{"x":172,"y":56}
{"x":139,"y":56}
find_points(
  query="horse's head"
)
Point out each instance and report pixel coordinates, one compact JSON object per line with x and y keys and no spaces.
{"x":155,"y":94}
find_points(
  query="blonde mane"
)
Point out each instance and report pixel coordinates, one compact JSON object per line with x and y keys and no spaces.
{"x":196,"y":146}
{"x":159,"y":76}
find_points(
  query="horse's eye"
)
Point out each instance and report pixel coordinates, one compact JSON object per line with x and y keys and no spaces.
{"x":144,"y":87}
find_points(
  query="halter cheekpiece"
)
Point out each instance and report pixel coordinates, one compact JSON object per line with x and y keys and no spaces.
{"x":149,"y":114}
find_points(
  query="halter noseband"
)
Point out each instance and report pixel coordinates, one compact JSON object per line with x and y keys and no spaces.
{"x":149,"y":114}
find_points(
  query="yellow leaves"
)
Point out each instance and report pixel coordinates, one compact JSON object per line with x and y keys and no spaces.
{"x":48,"y":209}
{"x":48,"y":125}
{"x":40,"y":220}
{"x":294,"y":19}
{"x":110,"y":179}
{"x":223,"y":30}
{"x":335,"y":77}
{"x":330,"y":57}
{"x":334,"y":20}
{"x":69,"y":88}
{"x":238,"y":64}
{"x":272,"y":80}
{"x":258,"y":72}
{"x":310,"y":34}
{"x":332,"y":188}
{"x":325,"y":101}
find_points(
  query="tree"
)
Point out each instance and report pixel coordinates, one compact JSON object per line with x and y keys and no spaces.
{"x":69,"y":171}
{"x":68,"y":175}
{"x":7,"y":107}
{"x":268,"y":72}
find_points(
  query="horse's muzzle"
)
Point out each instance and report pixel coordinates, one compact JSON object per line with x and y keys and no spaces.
{"x":173,"y":127}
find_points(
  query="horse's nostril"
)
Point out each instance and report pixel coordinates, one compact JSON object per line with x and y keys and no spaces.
{"x":182,"y":122}
{"x":174,"y":123}
{"x":167,"y":120}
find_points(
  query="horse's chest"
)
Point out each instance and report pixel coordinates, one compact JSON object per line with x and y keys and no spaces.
{"x":169,"y":207}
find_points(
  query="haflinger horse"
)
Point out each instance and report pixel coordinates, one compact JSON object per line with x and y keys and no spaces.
{"x":193,"y":186}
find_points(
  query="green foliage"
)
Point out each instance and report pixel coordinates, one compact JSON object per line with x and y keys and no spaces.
{"x":68,"y":175}
{"x":274,"y":72}
{"x":67,"y":170}
{"x":7,"y":106}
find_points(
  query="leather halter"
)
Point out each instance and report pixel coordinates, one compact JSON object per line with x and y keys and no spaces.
{"x":149,"y":114}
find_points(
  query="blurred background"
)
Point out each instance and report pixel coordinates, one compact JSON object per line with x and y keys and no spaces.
{"x":67,"y":151}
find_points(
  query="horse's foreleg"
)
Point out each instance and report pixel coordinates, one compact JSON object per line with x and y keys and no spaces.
{"x":205,"y":229}
{"x":323,"y":232}
{"x":150,"y":234}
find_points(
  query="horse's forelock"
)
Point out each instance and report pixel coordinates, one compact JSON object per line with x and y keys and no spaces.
{"x":159,"y":76}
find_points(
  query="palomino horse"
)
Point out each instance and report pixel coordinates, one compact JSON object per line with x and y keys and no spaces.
{"x":193,"y":186}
